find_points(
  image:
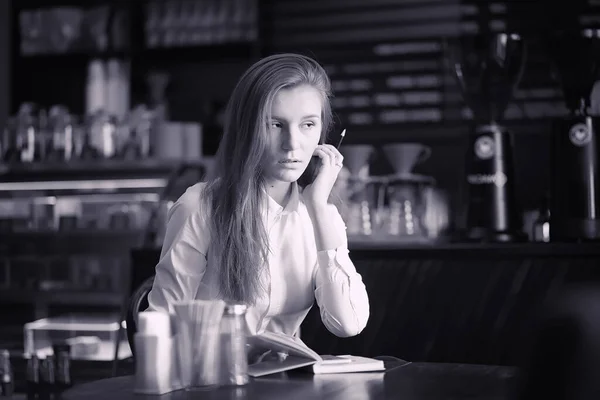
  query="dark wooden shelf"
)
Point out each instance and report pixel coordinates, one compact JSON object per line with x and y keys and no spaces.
{"x":21,"y":296}
{"x":78,"y":241}
{"x":92,"y":169}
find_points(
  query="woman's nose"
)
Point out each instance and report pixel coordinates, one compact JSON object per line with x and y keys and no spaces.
{"x":291,"y":139}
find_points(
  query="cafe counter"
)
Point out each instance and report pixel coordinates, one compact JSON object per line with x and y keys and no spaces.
{"x":462,"y":303}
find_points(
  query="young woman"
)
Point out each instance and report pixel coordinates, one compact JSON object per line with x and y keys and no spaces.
{"x":252,"y":233}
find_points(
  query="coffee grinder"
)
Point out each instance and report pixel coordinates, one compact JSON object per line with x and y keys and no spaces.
{"x":488,"y":68}
{"x":575,"y":187}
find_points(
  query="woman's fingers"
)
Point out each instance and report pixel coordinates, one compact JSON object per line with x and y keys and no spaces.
{"x":329,"y":155}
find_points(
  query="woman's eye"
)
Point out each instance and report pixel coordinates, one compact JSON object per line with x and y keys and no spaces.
{"x":309,"y":124}
{"x":276,"y":125}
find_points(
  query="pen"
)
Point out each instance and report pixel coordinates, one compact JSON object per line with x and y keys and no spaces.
{"x":342,"y":135}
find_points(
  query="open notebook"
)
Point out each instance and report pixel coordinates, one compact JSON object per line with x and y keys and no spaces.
{"x":301,"y":356}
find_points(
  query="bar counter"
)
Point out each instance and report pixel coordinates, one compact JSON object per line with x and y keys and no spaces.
{"x":446,"y":249}
{"x":457,"y":302}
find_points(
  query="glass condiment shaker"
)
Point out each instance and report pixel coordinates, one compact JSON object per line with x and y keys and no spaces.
{"x":7,"y":383}
{"x":234,"y":362}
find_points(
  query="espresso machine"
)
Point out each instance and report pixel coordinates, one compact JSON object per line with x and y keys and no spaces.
{"x":575,"y":187}
{"x":487,"y":69}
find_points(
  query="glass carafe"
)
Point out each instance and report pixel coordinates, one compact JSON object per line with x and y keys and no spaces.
{"x":363,"y":205}
{"x":406,"y":207}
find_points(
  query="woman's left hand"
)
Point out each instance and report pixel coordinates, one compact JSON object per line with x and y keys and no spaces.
{"x":317,"y":193}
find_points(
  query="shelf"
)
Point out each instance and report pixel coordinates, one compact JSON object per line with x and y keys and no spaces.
{"x":450,"y":132}
{"x":15,"y":296}
{"x":100,"y":234}
{"x":80,"y":241}
{"x":35,"y":4}
{"x":203,"y":53}
{"x":92,"y":170}
{"x":72,"y":57}
{"x":194,"y":54}
{"x":80,"y":298}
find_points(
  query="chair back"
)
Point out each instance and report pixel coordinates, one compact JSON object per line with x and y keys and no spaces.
{"x":137,"y":302}
{"x":564,"y":358}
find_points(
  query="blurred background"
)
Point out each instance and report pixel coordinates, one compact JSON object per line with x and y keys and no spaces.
{"x":110,"y":109}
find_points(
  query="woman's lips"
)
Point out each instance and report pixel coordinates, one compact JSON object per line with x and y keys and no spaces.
{"x":289,"y":163}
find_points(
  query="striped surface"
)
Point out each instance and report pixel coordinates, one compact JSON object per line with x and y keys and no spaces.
{"x":387,"y":63}
{"x":453,"y":306}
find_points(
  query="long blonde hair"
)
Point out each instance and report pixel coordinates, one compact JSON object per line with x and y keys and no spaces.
{"x":235,"y":192}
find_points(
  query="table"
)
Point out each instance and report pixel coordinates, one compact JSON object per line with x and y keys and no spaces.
{"x":411,"y":381}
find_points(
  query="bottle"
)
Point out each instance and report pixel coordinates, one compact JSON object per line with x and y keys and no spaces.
{"x":541,"y":225}
{"x":47,"y":385}
{"x":95,"y":89}
{"x":63,"y":380}
{"x":7,"y":383}
{"x":155,"y":369}
{"x":32,"y":385}
{"x":234,"y":362}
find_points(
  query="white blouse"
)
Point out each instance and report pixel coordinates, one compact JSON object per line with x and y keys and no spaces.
{"x":296,"y":274}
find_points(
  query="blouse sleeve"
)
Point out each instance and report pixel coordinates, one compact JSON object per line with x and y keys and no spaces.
{"x":182,"y":263}
{"x":340,"y":292}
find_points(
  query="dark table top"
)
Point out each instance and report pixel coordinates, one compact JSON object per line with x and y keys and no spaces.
{"x":410,"y":381}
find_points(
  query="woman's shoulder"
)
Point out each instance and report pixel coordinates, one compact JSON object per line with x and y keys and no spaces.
{"x":193,"y":195}
{"x":190,"y":201}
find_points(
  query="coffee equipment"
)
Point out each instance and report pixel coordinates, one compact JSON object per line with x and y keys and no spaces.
{"x":398,"y":207}
{"x":406,"y":205}
{"x":359,"y":191}
{"x":488,"y":68}
{"x":415,"y":210}
{"x":575,"y":188}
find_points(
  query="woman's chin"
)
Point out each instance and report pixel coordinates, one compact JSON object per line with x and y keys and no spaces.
{"x":289,"y":175}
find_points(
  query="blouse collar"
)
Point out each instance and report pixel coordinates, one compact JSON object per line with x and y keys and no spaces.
{"x":290,"y":207}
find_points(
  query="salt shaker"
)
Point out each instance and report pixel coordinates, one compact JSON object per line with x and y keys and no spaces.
{"x":7,"y":383}
{"x":63,"y":370}
{"x":155,"y":370}
{"x":234,"y":362}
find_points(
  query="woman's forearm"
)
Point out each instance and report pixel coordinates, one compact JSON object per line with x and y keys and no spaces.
{"x":327,"y":236}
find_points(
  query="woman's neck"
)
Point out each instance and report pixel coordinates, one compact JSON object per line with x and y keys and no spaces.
{"x":280,"y":192}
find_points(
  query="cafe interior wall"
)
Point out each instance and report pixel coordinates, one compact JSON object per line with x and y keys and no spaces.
{"x":197,"y":81}
{"x":448,"y":141}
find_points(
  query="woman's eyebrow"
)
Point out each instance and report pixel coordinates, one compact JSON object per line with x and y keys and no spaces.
{"x":304,"y":117}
